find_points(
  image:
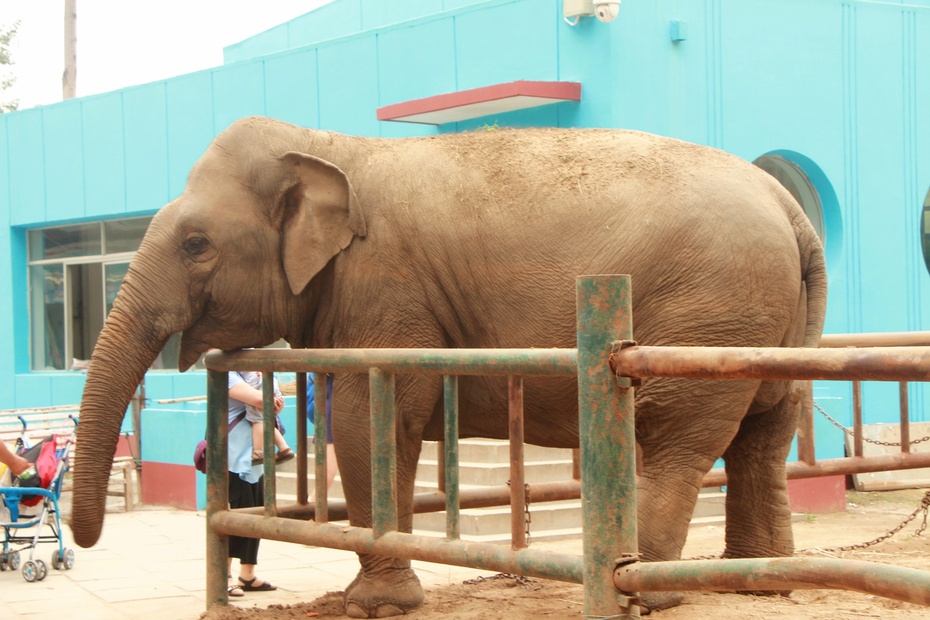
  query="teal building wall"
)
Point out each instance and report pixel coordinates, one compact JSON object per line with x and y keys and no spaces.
{"x":837,"y":86}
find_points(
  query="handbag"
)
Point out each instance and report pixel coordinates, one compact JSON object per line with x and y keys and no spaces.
{"x":200,"y":451}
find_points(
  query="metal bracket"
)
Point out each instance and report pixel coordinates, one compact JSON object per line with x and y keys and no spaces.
{"x":624,"y":383}
{"x":629,"y":602}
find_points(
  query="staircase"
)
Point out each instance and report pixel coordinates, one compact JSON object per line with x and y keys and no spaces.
{"x":485,"y":462}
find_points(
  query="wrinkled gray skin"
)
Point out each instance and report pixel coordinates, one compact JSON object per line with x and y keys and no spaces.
{"x":474,"y":240}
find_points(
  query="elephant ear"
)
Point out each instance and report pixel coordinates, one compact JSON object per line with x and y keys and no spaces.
{"x":321,"y":217}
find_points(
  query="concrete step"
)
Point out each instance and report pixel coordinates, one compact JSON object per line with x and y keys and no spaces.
{"x":495,"y":451}
{"x":483,"y":463}
{"x":496,"y":474}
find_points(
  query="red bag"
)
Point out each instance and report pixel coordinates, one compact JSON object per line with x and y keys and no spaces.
{"x":200,"y":450}
{"x":43,"y":456}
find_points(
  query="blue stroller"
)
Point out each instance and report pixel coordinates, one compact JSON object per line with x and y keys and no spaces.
{"x":35,"y":506}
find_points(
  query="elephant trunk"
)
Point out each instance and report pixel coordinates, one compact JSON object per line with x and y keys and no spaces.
{"x":124,"y":351}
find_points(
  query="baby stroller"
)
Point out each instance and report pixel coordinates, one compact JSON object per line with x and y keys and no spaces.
{"x":31,"y":504}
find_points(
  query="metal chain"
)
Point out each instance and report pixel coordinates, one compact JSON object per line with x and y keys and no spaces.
{"x":924,"y":507}
{"x":526,"y":582}
{"x":871,"y":441}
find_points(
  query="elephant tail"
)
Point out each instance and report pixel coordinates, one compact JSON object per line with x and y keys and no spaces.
{"x":813,"y":278}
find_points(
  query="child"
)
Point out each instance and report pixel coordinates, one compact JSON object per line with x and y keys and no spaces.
{"x":254,"y":416}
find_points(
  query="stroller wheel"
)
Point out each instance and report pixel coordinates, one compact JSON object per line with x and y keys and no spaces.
{"x":3,"y":561}
{"x":68,"y":560}
{"x":41,"y":570}
{"x":13,"y":560}
{"x":57,"y":562}
{"x":30,"y":571}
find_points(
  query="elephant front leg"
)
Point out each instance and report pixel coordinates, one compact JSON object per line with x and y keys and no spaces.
{"x":384,"y":586}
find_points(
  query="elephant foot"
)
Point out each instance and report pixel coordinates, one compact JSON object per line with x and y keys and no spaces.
{"x":655,"y":601}
{"x":390,"y":594}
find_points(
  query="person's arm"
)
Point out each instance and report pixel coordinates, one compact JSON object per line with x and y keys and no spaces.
{"x":16,"y":463}
{"x":245,"y":393}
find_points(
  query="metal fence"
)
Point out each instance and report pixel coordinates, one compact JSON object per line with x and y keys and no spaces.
{"x":606,"y":363}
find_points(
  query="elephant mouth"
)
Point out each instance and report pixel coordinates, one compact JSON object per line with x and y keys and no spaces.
{"x":191,"y":350}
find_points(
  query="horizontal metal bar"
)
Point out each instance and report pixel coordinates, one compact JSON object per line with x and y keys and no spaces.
{"x":903,"y":584}
{"x":871,"y":364}
{"x":876,"y":339}
{"x":528,"y":562}
{"x":846,"y":465}
{"x":525,"y":362}
{"x":434,"y":502}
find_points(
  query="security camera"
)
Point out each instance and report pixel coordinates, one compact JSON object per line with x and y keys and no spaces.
{"x":606,"y":11}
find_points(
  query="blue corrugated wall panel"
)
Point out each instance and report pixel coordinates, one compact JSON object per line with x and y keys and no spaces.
{"x":378,"y":13}
{"x":407,"y":72}
{"x":190,"y":125}
{"x":238,"y":92}
{"x":337,"y":19}
{"x":348,"y":78}
{"x":64,"y":159}
{"x":291,"y":88}
{"x":486,"y":52}
{"x":146,"y":139}
{"x":27,"y":168}
{"x":273,"y":40}
{"x":105,"y":169}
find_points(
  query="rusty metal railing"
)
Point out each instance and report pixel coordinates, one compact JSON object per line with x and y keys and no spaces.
{"x":607,"y":459}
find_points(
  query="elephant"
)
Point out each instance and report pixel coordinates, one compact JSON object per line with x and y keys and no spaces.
{"x":474,"y":240}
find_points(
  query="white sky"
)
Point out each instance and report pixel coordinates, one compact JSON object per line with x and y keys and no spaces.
{"x":125,"y":42}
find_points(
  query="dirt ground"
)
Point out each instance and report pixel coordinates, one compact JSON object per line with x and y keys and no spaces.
{"x":869,"y":516}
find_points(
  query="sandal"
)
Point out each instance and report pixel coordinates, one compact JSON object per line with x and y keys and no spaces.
{"x":234,"y":589}
{"x":284,"y":456}
{"x":258,"y":457}
{"x":248,"y":587}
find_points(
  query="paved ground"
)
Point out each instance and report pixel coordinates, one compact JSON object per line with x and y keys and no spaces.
{"x":150,"y":564}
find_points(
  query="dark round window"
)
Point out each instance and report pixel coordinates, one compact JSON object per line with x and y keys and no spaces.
{"x":925,"y":230}
{"x":798,"y":184}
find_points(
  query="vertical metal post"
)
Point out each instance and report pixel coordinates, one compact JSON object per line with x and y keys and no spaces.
{"x":449,"y":455}
{"x":441,"y":464}
{"x":517,"y":477}
{"x":320,"y":443}
{"x":607,"y":440}
{"x":905,"y":418}
{"x":268,"y":417}
{"x":302,"y":444}
{"x":806,"y":445}
{"x":857,"y":418}
{"x":217,"y":545}
{"x":383,"y":453}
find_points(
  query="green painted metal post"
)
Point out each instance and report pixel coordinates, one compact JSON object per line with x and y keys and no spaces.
{"x":320,"y":433}
{"x":450,"y":447}
{"x":383,"y":453}
{"x":268,"y":416}
{"x":217,"y":545}
{"x":608,"y":448}
{"x":302,"y":443}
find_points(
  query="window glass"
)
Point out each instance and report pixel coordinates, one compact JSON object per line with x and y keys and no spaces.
{"x":114,"y":274}
{"x":65,"y":242}
{"x":47,"y":297}
{"x":798,"y":184}
{"x":124,"y":235}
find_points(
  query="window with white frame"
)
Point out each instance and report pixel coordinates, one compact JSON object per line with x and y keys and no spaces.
{"x":74,"y":274}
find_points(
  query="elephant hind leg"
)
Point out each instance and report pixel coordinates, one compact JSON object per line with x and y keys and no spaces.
{"x":757,"y":507}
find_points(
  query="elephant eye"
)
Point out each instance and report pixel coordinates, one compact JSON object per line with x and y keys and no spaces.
{"x":195,"y":246}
